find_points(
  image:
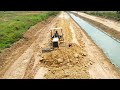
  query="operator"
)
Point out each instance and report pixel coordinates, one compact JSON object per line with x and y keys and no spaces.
{"x":56,"y":35}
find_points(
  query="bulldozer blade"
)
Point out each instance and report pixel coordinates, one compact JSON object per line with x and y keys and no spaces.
{"x":47,"y":50}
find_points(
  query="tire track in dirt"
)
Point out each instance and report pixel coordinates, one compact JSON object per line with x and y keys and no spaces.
{"x":74,"y":35}
{"x":40,"y":44}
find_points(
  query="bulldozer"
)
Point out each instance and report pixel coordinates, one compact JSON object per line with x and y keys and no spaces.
{"x":56,"y":39}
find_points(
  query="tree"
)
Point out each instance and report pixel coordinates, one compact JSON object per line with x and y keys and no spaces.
{"x":118,"y":15}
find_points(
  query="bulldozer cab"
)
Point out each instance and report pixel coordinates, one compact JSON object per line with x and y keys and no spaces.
{"x":56,"y":37}
{"x":56,"y":40}
{"x":57,"y":33}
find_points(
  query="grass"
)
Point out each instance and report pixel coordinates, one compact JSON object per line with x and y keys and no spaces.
{"x":113,"y":15}
{"x":13,"y":28}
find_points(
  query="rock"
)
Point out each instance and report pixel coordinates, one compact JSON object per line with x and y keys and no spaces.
{"x":39,"y":54}
{"x":41,"y":59}
{"x":69,"y":64}
{"x":90,"y":63}
{"x":53,"y":65}
{"x":76,"y":55}
{"x":44,"y":57}
{"x":83,"y":54}
{"x":60,"y":60}
{"x":70,"y":45}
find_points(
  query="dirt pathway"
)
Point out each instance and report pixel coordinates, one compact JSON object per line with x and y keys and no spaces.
{"x":73,"y":35}
{"x":65,"y":62}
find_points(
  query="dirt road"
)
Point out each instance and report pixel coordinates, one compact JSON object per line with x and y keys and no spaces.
{"x":82,"y":60}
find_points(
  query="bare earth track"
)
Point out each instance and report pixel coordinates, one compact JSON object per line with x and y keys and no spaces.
{"x":25,"y":60}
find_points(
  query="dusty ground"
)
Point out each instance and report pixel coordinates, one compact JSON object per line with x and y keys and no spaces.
{"x":83,"y":59}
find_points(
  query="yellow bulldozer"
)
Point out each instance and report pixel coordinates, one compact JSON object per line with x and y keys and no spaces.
{"x":56,"y":40}
{"x":56,"y":37}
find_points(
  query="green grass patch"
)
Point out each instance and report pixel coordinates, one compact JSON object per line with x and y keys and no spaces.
{"x":113,"y":15}
{"x":13,"y":29}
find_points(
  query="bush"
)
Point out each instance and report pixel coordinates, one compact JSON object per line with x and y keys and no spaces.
{"x":106,"y":14}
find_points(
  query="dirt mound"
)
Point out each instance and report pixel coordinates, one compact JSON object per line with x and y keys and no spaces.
{"x":65,"y":62}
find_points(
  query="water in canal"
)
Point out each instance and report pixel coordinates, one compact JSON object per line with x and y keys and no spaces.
{"x":109,"y":46}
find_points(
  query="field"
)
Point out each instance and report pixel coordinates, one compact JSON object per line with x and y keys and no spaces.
{"x":13,"y":24}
